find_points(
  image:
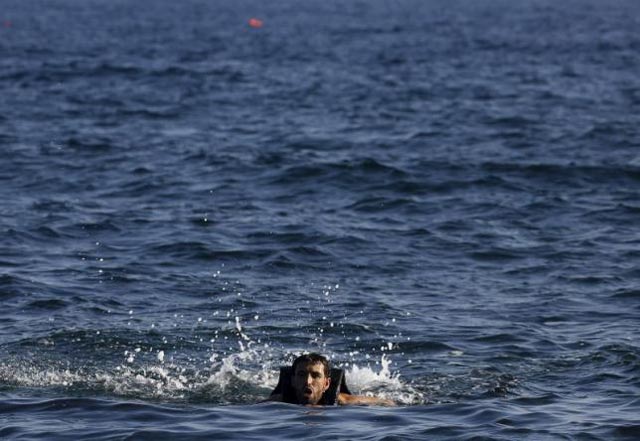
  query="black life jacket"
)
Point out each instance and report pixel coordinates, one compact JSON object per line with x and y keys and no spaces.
{"x":329,"y":398}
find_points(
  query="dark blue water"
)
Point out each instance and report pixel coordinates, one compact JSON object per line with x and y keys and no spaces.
{"x":443,"y":196}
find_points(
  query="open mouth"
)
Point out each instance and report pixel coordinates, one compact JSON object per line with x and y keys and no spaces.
{"x":307,"y":394}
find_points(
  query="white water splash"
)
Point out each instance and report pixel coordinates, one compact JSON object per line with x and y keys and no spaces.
{"x":383,"y":383}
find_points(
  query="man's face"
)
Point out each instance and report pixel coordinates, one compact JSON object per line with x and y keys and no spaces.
{"x":309,"y":382}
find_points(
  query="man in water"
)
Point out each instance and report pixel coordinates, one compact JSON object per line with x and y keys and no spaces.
{"x":310,"y":379}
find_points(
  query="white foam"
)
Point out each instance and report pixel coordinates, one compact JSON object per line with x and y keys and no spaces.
{"x":382,"y":383}
{"x":32,"y":376}
{"x":364,"y":378}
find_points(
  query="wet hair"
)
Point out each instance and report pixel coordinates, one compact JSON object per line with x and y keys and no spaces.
{"x":313,"y":358}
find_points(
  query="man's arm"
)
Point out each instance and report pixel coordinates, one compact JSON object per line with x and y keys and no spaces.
{"x":274,"y":397}
{"x":346,"y":399}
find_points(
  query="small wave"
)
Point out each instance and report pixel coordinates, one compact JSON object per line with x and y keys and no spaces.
{"x":627,"y":294}
{"x":97,"y":226}
{"x":560,"y":172}
{"x":380,"y":204}
{"x":510,"y":122}
{"x":348,"y":172}
{"x":48,"y":304}
{"x":9,"y":281}
{"x":201,"y":251}
{"x":92,"y":144}
{"x":497,"y":255}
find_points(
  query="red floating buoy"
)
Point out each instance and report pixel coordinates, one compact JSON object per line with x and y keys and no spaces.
{"x":255,"y":23}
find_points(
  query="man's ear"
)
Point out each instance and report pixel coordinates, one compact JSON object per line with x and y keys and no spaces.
{"x":327,"y":383}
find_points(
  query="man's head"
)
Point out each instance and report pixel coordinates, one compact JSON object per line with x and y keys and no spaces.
{"x":311,"y":378}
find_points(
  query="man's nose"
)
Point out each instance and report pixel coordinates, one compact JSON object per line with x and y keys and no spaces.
{"x":309,"y":379}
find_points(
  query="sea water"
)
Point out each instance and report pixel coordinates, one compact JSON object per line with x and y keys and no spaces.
{"x":443,"y":197}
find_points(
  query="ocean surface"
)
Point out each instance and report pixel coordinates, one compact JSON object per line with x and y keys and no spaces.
{"x":442,"y":196}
